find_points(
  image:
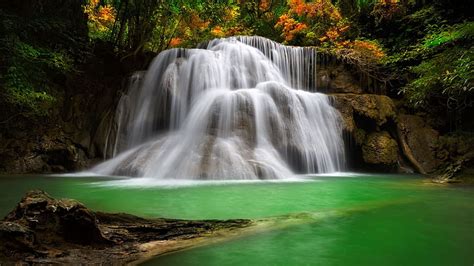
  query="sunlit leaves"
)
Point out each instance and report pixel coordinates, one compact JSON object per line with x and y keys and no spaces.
{"x":101,"y":17}
{"x":319,"y":20}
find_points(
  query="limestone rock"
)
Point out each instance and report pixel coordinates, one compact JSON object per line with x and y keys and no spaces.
{"x":419,"y":143}
{"x":43,"y":230}
{"x":335,"y":78}
{"x":378,"y":108}
{"x":16,"y":237}
{"x":380,"y":148}
{"x":53,"y":219}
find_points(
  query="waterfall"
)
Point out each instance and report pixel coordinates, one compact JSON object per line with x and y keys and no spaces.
{"x":235,"y":108}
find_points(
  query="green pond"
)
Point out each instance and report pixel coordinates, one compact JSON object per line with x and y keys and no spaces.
{"x":350,"y":219}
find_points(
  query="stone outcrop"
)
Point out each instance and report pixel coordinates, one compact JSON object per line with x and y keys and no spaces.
{"x":378,"y":109}
{"x":44,"y":230}
{"x":335,"y":78}
{"x":56,"y":220}
{"x":418,"y":142}
{"x":367,"y":120}
{"x":380,"y":148}
{"x":48,"y":153}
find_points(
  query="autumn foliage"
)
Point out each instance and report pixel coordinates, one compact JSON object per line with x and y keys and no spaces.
{"x":315,"y":22}
{"x":101,"y":17}
{"x":368,"y":49}
{"x":290,"y":27}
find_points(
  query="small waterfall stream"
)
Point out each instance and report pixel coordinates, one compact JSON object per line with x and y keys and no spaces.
{"x":235,"y":108}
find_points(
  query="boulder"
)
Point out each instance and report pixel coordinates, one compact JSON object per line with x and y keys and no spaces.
{"x":16,"y":238}
{"x":42,"y":230}
{"x":56,"y":220}
{"x":376,"y":108}
{"x":380,"y":148}
{"x":419,"y":143}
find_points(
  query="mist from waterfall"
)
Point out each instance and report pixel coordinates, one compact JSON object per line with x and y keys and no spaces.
{"x":236,"y":108}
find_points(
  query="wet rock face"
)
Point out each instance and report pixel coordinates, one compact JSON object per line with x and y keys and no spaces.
{"x":377,"y":108}
{"x":335,"y":78}
{"x":380,"y":148}
{"x":419,"y":142}
{"x":367,"y":120}
{"x":47,"y":154}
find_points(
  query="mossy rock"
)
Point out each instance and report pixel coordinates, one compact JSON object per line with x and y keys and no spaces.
{"x":377,"y":108}
{"x":380,"y":148}
{"x":419,"y":143}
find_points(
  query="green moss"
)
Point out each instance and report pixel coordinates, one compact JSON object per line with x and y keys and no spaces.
{"x":380,"y":148}
{"x":377,"y":107}
{"x":359,"y":136}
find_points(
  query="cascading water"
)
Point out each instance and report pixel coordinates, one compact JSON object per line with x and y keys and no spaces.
{"x":240,"y":109}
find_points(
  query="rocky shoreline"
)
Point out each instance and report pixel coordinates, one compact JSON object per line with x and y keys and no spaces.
{"x":42,"y":229}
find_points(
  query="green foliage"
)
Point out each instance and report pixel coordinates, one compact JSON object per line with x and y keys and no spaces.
{"x":30,"y":66}
{"x":26,"y":78}
{"x":23,"y":94}
{"x":463,"y":31}
{"x":448,"y":75}
{"x":446,"y":68}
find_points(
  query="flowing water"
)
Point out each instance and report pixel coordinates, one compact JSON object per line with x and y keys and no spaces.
{"x":242,"y":108}
{"x":204,"y":127}
{"x":350,"y":219}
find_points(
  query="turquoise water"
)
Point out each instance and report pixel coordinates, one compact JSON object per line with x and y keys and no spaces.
{"x":361,"y":219}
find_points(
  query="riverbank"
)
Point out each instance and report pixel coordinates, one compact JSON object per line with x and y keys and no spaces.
{"x":42,"y":229}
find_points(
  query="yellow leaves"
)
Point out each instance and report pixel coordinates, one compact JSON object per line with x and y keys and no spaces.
{"x":368,"y":49}
{"x":197,"y":23}
{"x":217,"y":31}
{"x":106,"y":15}
{"x":322,"y":9}
{"x":102,"y":17}
{"x":334,"y":34}
{"x":232,"y":13}
{"x":290,"y":27}
{"x":320,"y":17}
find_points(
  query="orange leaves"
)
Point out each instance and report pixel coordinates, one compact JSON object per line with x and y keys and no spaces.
{"x":290,"y":27}
{"x":102,"y":17}
{"x":217,"y":31}
{"x":106,"y":15}
{"x":318,"y":19}
{"x":318,"y":8}
{"x":299,"y":7}
{"x":196,"y":22}
{"x":264,"y":5}
{"x":174,"y":42}
{"x":368,"y":48}
{"x":334,"y":34}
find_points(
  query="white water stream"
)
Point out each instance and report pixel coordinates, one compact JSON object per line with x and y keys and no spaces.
{"x":242,"y":108}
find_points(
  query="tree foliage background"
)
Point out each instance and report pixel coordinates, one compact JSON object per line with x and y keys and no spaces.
{"x":422,"y":50}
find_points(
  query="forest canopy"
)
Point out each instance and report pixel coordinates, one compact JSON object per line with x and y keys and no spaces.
{"x":421,"y":50}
